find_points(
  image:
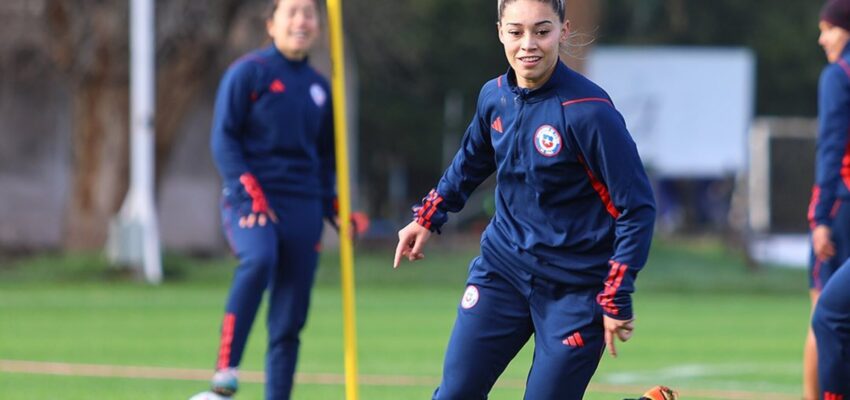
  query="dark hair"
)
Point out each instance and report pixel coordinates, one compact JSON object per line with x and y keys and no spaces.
{"x":558,"y":6}
{"x":272,"y":7}
{"x":837,"y":13}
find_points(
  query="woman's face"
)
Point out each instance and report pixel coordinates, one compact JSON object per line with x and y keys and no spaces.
{"x":531,"y":32}
{"x":832,"y":39}
{"x":294,"y":27}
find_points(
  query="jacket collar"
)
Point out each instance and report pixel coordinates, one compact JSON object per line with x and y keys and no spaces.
{"x":559,"y":76}
{"x":273,"y":52}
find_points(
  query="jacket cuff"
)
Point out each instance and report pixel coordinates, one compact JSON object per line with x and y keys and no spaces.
{"x":622,"y":311}
{"x":614,"y":302}
{"x":252,"y":188}
{"x":428,"y":213}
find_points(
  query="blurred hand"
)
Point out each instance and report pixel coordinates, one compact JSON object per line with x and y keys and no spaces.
{"x":352,"y":228}
{"x":257,"y":219}
{"x":822,"y":244}
{"x":359,"y":224}
{"x":260,"y":210}
{"x":410,"y":242}
{"x":614,"y":327}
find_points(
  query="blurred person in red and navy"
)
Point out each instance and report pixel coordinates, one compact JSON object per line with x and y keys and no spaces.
{"x":827,"y":366}
{"x":272,"y":142}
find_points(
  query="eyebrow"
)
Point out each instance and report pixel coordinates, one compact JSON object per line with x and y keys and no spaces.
{"x":536,"y":24}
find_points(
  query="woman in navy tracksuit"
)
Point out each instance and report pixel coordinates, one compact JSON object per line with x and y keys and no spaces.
{"x":272,"y":141}
{"x":573,"y":223}
{"x":830,"y":218}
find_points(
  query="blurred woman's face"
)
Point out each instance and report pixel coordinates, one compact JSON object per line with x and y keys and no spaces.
{"x":531,"y":32}
{"x":294,"y":27}
{"x":833,"y":39}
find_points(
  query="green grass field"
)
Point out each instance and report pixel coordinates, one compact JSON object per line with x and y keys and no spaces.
{"x":705,"y":326}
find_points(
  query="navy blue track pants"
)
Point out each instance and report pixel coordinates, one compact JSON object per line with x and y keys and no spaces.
{"x":498,"y":313}
{"x":282,"y":258}
{"x":831,"y":323}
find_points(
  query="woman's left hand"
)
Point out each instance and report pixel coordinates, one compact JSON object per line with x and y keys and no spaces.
{"x":622,"y":329}
{"x":411,"y":239}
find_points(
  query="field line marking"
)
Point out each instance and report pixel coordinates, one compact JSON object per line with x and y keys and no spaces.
{"x":138,"y":372}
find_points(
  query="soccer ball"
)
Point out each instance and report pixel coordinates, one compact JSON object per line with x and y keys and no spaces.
{"x":660,"y":393}
{"x":209,"y":396}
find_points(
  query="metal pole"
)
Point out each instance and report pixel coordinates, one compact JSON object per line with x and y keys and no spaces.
{"x":142,"y":88}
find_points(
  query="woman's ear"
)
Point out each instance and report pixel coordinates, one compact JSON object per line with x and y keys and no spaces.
{"x":499,"y":32}
{"x":565,"y":31}
{"x":270,"y":26}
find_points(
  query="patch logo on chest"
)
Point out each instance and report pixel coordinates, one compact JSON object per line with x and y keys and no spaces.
{"x":547,"y":141}
{"x":318,"y":94}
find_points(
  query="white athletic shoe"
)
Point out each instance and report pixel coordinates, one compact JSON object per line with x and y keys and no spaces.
{"x":223,"y":385}
{"x":209,"y":396}
{"x":225,"y":382}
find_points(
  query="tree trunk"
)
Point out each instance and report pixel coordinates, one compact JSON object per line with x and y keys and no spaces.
{"x":91,"y":47}
{"x":178,"y":84}
{"x":100,"y":162}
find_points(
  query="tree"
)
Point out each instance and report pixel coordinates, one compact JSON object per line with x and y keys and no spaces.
{"x":89,"y":43}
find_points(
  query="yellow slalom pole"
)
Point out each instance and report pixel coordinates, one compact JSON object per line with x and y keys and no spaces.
{"x":344,"y":195}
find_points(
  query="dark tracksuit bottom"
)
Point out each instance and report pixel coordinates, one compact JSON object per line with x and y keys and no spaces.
{"x":831,"y":323}
{"x":281,"y":257}
{"x":501,"y":308}
{"x":820,"y":271}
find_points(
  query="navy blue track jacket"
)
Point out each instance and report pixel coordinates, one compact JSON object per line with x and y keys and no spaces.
{"x":832,"y":169}
{"x":273,"y":119}
{"x":573,"y":202}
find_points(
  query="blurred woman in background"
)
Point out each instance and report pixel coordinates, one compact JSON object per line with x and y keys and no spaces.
{"x":272,"y":142}
{"x":829,"y":213}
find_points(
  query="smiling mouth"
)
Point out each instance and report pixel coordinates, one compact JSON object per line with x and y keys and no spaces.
{"x":530,"y":59}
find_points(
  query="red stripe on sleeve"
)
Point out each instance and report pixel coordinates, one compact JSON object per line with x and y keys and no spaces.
{"x":612,"y":284}
{"x":433,"y":208}
{"x":424,"y":208}
{"x":424,"y":214}
{"x":600,"y":189}
{"x":845,"y":164}
{"x":584,"y":100}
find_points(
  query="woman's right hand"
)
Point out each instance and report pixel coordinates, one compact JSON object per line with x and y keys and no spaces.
{"x":615,"y":328}
{"x":260,"y":210}
{"x":411,"y":239}
{"x":822,"y":242}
